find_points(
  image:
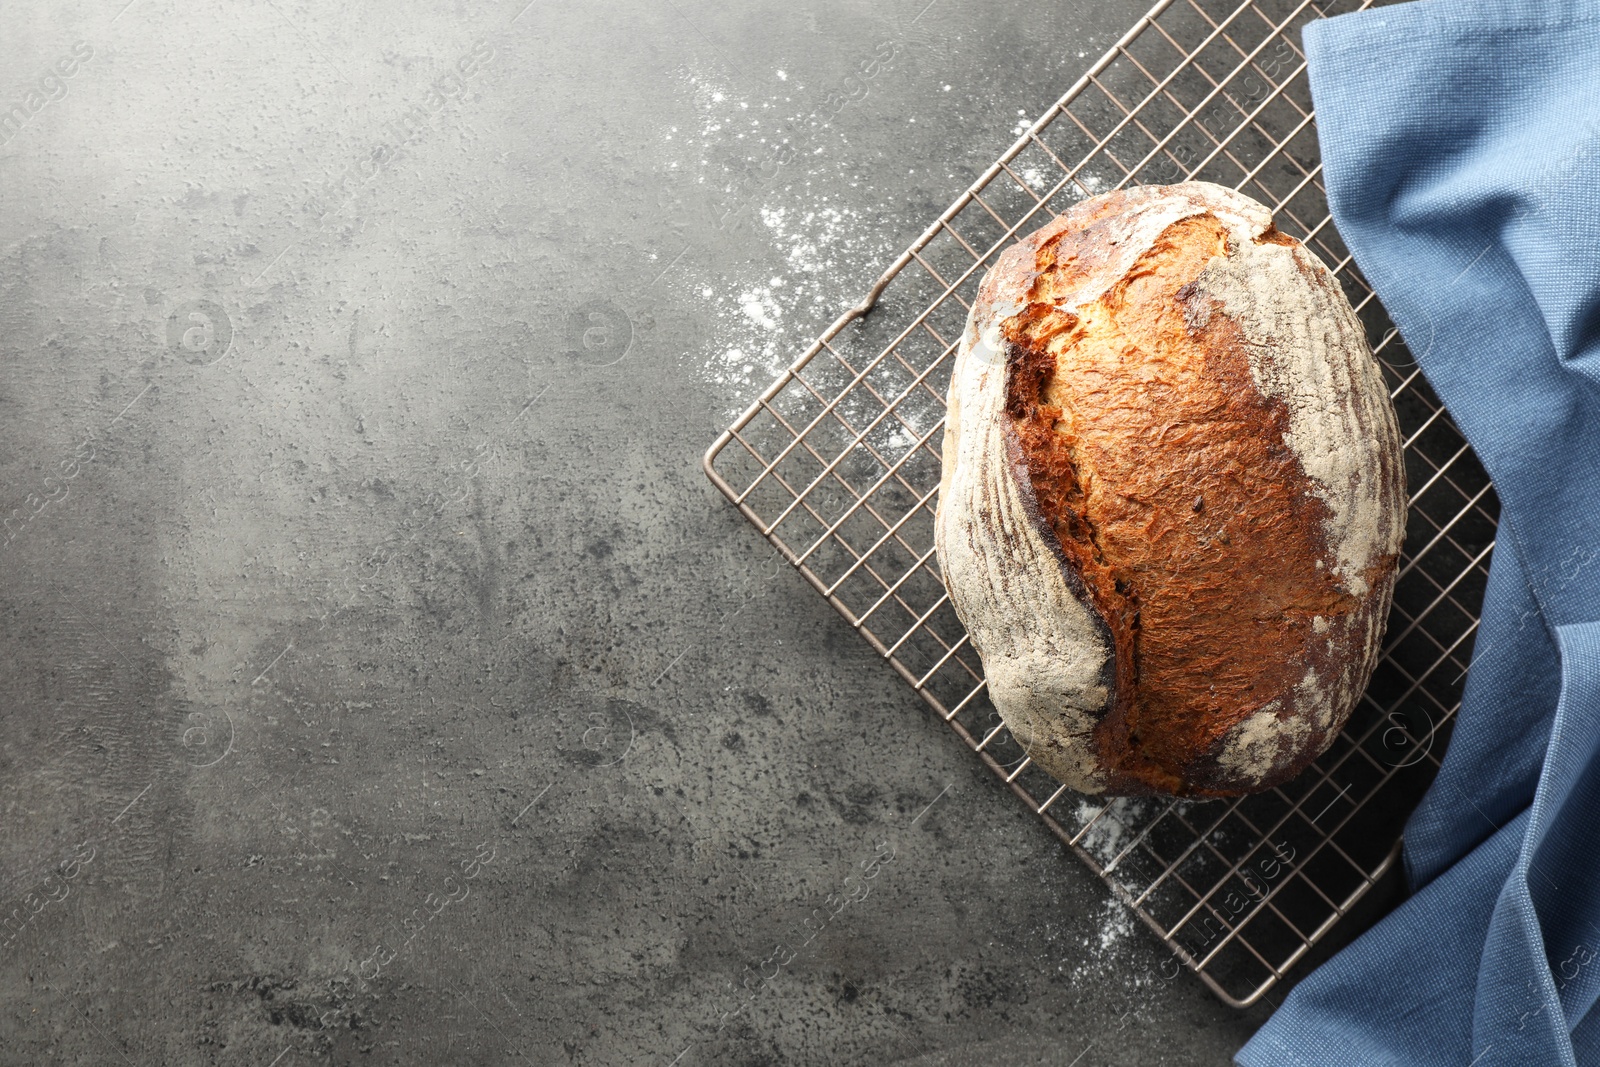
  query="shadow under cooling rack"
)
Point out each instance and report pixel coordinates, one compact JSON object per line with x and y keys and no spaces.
{"x":838,"y":462}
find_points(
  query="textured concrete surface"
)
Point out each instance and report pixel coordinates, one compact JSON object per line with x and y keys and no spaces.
{"x":382,"y":680}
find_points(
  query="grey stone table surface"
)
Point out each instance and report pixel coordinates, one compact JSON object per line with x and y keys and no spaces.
{"x":382,"y":680}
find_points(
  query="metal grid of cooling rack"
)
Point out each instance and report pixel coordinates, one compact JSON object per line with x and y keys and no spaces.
{"x":837,"y":464}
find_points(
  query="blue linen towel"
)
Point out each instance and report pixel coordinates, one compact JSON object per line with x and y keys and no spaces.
{"x":1461,"y":150}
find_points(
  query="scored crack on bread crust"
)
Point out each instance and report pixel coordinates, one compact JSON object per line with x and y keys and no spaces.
{"x":1173,"y":496}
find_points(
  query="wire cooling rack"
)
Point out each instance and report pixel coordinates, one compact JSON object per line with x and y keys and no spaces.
{"x":838,"y":463}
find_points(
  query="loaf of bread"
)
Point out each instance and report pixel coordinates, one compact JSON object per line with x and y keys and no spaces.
{"x":1173,"y":497}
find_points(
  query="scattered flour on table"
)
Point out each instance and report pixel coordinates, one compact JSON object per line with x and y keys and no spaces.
{"x":1116,"y":927}
{"x":1113,"y":830}
{"x":1105,"y":950}
{"x":832,"y":242}
{"x":1118,"y":823}
{"x":766,"y":310}
{"x":1038,"y":178}
{"x":761,"y":323}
